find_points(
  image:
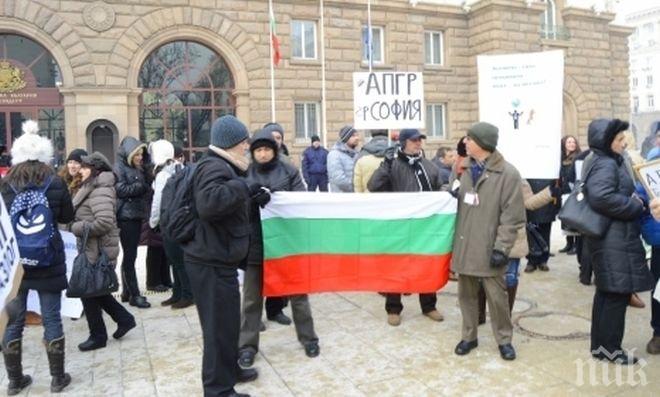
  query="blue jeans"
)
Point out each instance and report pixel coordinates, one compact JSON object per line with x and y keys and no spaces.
{"x":511,"y":275}
{"x":50,"y":303}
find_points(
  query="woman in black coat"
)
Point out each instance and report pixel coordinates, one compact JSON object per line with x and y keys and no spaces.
{"x":570,"y":149}
{"x":618,"y":258}
{"x":132,"y":189}
{"x":31,"y":172}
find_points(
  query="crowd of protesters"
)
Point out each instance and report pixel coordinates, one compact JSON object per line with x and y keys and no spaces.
{"x":108,"y":207}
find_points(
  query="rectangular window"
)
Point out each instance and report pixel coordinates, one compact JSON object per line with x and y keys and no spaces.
{"x":634,"y":81}
{"x":651,"y":101}
{"x":377,"y":44}
{"x":303,"y":39}
{"x":307,"y":119}
{"x":435,"y":120}
{"x":433,"y":48}
{"x":635,"y":104}
{"x":649,"y":80}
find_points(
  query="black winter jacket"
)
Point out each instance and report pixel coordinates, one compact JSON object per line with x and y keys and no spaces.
{"x":276,"y":176}
{"x":52,"y":278}
{"x":132,"y":186}
{"x":400,"y":176}
{"x":221,"y":201}
{"x":548,"y":212}
{"x":618,"y":259}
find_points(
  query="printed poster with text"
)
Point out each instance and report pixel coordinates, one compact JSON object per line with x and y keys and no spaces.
{"x":522,"y":95}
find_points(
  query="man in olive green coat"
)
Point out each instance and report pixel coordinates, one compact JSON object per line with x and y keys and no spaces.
{"x":490,"y":213}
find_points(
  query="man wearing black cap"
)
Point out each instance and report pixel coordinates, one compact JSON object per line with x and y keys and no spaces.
{"x":221,"y":198}
{"x":490,"y":214}
{"x":315,"y":166}
{"x":406,"y":170}
{"x":341,"y":160}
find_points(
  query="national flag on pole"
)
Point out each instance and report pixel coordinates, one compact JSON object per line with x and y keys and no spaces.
{"x":382,"y":242}
{"x":274,"y":41}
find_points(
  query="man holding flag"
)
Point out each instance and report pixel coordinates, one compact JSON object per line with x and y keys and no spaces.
{"x":490,"y":213}
{"x":406,"y":170}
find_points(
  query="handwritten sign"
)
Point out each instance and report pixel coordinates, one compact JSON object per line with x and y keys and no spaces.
{"x":11,"y":272}
{"x":388,"y":100}
{"x":649,"y":175}
{"x":522,"y":95}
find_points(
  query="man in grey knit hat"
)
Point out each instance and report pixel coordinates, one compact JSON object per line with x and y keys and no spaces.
{"x":341,"y":160}
{"x":490,"y":214}
{"x":221,"y":199}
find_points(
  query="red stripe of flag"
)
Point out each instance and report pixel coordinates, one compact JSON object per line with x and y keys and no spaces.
{"x":302,"y":274}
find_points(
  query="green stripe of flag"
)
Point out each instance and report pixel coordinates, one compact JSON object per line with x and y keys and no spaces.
{"x":294,"y":236}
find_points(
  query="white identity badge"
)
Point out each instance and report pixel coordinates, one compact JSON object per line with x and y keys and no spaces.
{"x":471,"y":198}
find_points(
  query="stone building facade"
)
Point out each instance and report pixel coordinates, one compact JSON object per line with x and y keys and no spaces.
{"x":155,"y":68}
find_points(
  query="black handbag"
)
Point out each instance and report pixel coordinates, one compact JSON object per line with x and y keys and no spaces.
{"x":89,"y":280}
{"x":578,"y":215}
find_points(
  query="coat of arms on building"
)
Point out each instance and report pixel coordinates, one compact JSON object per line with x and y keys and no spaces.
{"x":11,"y":78}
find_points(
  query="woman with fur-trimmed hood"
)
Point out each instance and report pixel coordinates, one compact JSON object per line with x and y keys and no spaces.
{"x":132,"y":187}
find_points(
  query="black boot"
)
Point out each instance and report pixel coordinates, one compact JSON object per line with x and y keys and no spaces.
{"x":511,"y":292}
{"x":482,"y":305}
{"x":139,"y":302}
{"x":569,"y":245}
{"x":17,"y":381}
{"x":55,"y":351}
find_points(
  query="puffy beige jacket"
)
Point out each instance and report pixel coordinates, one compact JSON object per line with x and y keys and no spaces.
{"x":96,"y":207}
{"x":364,"y":169}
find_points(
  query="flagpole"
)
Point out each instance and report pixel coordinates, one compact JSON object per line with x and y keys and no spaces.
{"x":323,"y":98}
{"x":272,"y":66}
{"x":370,"y":37}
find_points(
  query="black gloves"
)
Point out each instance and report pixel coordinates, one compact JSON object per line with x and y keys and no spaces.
{"x":254,"y":189}
{"x":262,"y":197}
{"x":498,"y":259}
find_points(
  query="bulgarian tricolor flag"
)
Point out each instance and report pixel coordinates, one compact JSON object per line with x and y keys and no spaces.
{"x":274,"y":40}
{"x":383,"y":242}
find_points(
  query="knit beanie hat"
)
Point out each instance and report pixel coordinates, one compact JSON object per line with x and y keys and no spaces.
{"x":378,"y":133}
{"x":161,"y":151}
{"x":97,"y":161}
{"x":346,"y":133}
{"x":273,"y":127}
{"x":485,"y":135}
{"x":31,"y":146}
{"x":76,"y":155}
{"x":315,"y":138}
{"x":227,"y":132}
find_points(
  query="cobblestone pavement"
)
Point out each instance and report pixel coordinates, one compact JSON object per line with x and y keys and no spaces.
{"x":362,"y":356}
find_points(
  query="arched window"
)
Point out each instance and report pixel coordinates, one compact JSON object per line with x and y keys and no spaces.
{"x":186,"y":86}
{"x":29,"y":81}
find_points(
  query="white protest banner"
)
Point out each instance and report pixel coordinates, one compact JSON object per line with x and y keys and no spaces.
{"x":522,"y":95}
{"x":71,"y":307}
{"x":649,"y":175}
{"x":388,"y":100}
{"x":11,"y":272}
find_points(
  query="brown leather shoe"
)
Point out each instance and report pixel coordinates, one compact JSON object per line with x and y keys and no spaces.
{"x":636,"y":301}
{"x":434,"y":315}
{"x":394,"y":319}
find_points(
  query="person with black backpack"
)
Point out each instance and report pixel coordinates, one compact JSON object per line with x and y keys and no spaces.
{"x":132,"y":188}
{"x":37,"y":200}
{"x":162,"y":155}
{"x":213,"y":253}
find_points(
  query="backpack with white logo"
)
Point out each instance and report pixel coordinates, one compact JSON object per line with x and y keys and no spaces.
{"x":34,"y":226}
